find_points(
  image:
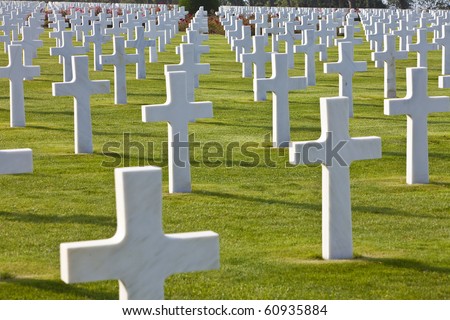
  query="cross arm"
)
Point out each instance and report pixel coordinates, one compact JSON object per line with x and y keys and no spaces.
{"x":359,"y":66}
{"x":157,"y":112}
{"x":307,"y":152}
{"x":332,"y":67}
{"x":364,"y":148}
{"x":297,"y":83}
{"x":399,"y":106}
{"x":263,"y":85}
{"x":33,"y":71}
{"x":86,"y":261}
{"x":192,"y":251}
{"x":200,"y":110}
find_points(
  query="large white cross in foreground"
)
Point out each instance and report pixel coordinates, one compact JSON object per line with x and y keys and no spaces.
{"x":139,"y":255}
{"x":335,"y":150}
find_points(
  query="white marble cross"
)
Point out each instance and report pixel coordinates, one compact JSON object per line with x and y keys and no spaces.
{"x":289,"y":37}
{"x":324,"y":34}
{"x":98,"y":39}
{"x":119,"y":59}
{"x":139,"y":255}
{"x":16,"y":72}
{"x":335,"y":150}
{"x":376,"y":39}
{"x":346,"y":68}
{"x":309,"y":48}
{"x":57,"y":34}
{"x":404,"y":34}
{"x":82,"y":29}
{"x":422,"y":47}
{"x":194,"y":37}
{"x":193,"y":69}
{"x":280,"y":84}
{"x":444,"y":42}
{"x":259,"y":57}
{"x":67,"y":50}
{"x":153,"y":33}
{"x":274,"y":30}
{"x":177,"y":111}
{"x":416,"y":105}
{"x":389,"y":56}
{"x":140,"y":43}
{"x":29,"y":45}
{"x":349,"y":36}
{"x":81,"y":88}
{"x":116,"y":29}
{"x":244,"y":45}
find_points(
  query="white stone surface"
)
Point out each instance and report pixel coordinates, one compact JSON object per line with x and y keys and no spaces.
{"x":81,"y":88}
{"x":259,"y":57}
{"x":389,"y":56}
{"x":280,"y":84}
{"x":140,"y":43}
{"x":16,"y":161}
{"x":416,"y":105}
{"x":289,"y":37}
{"x":98,"y":39}
{"x":193,"y":69}
{"x":346,"y":67}
{"x":29,"y":45}
{"x":422,"y":47}
{"x":66,"y":51}
{"x":16,"y":72}
{"x":444,"y":82}
{"x":405,"y":35}
{"x":119,"y":59}
{"x":444,"y":43}
{"x":309,"y":48}
{"x":244,"y":45}
{"x":139,"y":255}
{"x":177,"y":111}
{"x":335,"y":150}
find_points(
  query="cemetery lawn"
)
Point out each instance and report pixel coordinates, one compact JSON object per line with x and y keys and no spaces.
{"x":267,"y":213}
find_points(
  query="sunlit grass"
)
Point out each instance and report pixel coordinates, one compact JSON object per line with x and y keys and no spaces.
{"x":268,"y":216}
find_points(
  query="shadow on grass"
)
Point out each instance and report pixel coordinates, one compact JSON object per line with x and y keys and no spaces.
{"x":59,"y":287}
{"x":79,"y":218}
{"x":394,"y":212}
{"x":297,"y":205}
{"x":406,"y":264}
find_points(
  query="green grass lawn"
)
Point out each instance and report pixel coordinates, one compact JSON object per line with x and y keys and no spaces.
{"x":268,"y":214}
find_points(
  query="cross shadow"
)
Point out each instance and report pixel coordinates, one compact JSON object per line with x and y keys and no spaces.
{"x":224,"y":195}
{"x":78,"y":218}
{"x":394,"y":212}
{"x":59,"y":287}
{"x":406,"y":264}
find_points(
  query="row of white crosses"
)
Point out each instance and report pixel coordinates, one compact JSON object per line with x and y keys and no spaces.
{"x":20,"y":54}
{"x":180,"y":109}
{"x":140,"y":255}
{"x":335,"y":150}
{"x":80,"y":87}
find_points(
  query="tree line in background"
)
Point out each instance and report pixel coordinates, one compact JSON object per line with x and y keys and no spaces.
{"x":214,"y":4}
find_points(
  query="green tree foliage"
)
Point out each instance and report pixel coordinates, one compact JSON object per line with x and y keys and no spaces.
{"x":433,"y":4}
{"x":193,"y":5}
{"x":400,"y":4}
